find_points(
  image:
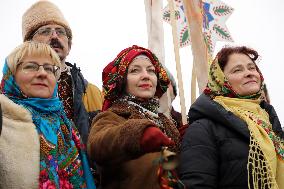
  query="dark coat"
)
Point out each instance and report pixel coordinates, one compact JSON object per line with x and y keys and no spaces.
{"x":82,"y":118}
{"x":215,"y":147}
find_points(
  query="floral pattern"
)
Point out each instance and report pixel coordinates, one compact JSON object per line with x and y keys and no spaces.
{"x":114,"y":73}
{"x":63,"y":162}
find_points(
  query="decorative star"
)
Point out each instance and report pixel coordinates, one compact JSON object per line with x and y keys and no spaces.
{"x":215,"y":13}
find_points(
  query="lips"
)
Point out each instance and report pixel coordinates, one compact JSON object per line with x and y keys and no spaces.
{"x":251,"y":81}
{"x":145,"y":86}
{"x":55,"y":44}
{"x":40,"y":84}
{"x":56,"y":47}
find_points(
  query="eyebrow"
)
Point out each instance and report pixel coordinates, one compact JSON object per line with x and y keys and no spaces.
{"x":152,"y":67}
{"x":239,"y":65}
{"x":138,"y":65}
{"x":45,"y":63}
{"x":251,"y":63}
{"x":49,"y":27}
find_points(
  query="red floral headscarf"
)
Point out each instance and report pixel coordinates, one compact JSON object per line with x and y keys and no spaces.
{"x":114,"y":74}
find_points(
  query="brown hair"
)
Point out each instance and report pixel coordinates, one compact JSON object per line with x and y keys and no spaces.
{"x":224,"y":54}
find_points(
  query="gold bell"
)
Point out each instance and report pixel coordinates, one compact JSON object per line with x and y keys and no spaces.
{"x":169,"y":159}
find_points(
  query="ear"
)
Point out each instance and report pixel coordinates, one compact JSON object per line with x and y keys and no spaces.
{"x":69,"y":46}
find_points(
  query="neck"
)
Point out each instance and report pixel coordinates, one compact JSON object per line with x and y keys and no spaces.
{"x":151,"y":104}
{"x":63,"y":65}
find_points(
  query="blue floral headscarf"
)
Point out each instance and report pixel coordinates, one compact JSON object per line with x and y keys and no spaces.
{"x":63,"y":160}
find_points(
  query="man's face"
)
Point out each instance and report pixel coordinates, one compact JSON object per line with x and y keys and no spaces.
{"x":54,"y":35}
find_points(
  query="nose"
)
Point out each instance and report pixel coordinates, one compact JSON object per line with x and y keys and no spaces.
{"x":145,"y":75}
{"x":248,"y":73}
{"x":54,"y":34}
{"x":41,"y":71}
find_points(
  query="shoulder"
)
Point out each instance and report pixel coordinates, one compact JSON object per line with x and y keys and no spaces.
{"x":201,"y":126}
{"x":273,"y":118}
{"x":92,"y":98}
{"x":107,"y":117}
{"x":93,"y":89}
{"x":12,"y":110}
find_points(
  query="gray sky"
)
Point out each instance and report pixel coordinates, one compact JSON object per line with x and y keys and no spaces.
{"x":102,"y":28}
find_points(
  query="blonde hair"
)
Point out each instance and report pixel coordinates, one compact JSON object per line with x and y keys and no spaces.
{"x":30,"y":48}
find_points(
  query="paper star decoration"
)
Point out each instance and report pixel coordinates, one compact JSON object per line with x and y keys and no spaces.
{"x":214,"y":12}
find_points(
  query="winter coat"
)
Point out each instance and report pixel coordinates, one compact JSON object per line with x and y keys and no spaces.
{"x":87,"y":100}
{"x":114,"y":143}
{"x":19,"y":147}
{"x":215,"y":147}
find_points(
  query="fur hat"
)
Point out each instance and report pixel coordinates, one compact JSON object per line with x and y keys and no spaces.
{"x":42,"y":13}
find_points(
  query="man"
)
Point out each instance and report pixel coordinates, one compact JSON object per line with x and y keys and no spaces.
{"x":165,"y":105}
{"x":44,"y":22}
{"x":165,"y":102}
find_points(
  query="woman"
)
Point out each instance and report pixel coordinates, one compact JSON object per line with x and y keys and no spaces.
{"x":126,"y":138}
{"x":234,"y":139}
{"x":39,"y":147}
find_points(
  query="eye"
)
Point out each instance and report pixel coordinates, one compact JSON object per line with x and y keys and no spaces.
{"x":236,"y":70}
{"x":60,"y":31}
{"x":45,"y":31}
{"x":48,"y":68}
{"x":30,"y":67}
{"x":152,"y":70}
{"x":252,"y":68}
{"x":134,"y":70}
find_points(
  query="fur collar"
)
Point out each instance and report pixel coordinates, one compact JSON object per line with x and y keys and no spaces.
{"x":14,"y":111}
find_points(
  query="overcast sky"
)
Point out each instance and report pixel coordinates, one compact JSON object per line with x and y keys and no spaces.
{"x":102,"y":28}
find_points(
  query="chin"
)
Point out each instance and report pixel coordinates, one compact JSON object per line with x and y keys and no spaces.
{"x":145,"y":96}
{"x":248,"y":90}
{"x":251,"y":92}
{"x":41,"y":95}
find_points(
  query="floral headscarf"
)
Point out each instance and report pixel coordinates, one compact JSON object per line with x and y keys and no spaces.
{"x":218,"y":84}
{"x":63,"y":160}
{"x":114,"y":74}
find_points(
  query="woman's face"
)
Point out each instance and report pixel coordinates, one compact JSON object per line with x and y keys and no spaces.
{"x":141,"y":79}
{"x":242,"y":74}
{"x":37,"y":84}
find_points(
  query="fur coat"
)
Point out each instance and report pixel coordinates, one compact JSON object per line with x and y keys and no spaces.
{"x":114,"y":144}
{"x":19,"y":147}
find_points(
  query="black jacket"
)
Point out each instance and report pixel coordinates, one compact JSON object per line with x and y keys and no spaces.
{"x":82,"y":118}
{"x":214,"y":151}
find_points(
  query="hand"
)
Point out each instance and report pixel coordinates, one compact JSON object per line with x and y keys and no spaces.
{"x":153,"y":139}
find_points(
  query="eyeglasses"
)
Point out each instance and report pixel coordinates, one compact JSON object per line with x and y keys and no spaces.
{"x":60,"y":32}
{"x":32,"y":67}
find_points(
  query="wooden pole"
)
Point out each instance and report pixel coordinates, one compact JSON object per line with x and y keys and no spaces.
{"x":193,"y":84}
{"x":194,"y":17}
{"x":154,"y":19}
{"x":177,"y":59}
{"x":155,"y":30}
